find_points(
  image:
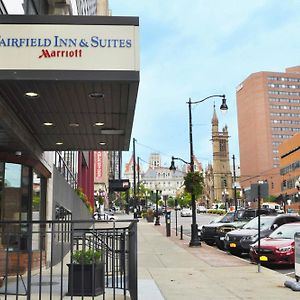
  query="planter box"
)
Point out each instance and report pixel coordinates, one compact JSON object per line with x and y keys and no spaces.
{"x":85,"y":280}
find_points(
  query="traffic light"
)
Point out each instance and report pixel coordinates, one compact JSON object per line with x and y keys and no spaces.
{"x":225,"y":182}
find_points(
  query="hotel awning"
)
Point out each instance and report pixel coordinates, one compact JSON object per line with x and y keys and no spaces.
{"x":67,"y":82}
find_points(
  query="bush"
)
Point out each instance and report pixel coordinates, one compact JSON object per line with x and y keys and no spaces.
{"x":216,"y":211}
{"x":86,"y":257}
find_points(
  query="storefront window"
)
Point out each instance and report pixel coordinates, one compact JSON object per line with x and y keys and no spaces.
{"x":22,"y":198}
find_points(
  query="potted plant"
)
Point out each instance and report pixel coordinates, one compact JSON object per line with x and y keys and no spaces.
{"x":150,"y":215}
{"x":86,"y":273}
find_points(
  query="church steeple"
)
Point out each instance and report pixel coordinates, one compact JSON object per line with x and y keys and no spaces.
{"x":214,"y":120}
{"x":222,"y":177}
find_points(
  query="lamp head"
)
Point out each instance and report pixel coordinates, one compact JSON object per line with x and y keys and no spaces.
{"x":172,"y":167}
{"x":223,"y":106}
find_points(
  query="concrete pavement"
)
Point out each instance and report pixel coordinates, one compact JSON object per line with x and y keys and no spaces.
{"x":169,"y":269}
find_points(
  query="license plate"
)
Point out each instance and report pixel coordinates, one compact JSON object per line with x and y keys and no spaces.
{"x":222,"y":238}
{"x":263,"y":258}
{"x":232,"y":245}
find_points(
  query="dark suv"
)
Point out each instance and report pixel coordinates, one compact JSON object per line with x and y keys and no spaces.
{"x":209,"y":232}
{"x":238,"y":241}
{"x":240,"y":220}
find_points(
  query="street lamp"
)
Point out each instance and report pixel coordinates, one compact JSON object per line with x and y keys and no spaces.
{"x":156,"y":214}
{"x":224,"y":195}
{"x":234,"y":187}
{"x":195,"y":241}
{"x":134,"y":182}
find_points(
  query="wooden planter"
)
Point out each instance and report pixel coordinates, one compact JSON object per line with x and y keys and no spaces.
{"x":150,"y":218}
{"x":85,"y":280}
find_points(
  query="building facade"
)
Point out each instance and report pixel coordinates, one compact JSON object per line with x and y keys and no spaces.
{"x":54,"y":116}
{"x":289,"y":153}
{"x":268,"y":106}
{"x":222,"y":176}
{"x":156,"y":177}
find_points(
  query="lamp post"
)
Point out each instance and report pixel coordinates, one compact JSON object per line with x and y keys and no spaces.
{"x":134,"y":182}
{"x":138,"y":188}
{"x":225,"y":194}
{"x":156,"y":215}
{"x":234,"y":187}
{"x":195,"y":241}
{"x":259,"y":227}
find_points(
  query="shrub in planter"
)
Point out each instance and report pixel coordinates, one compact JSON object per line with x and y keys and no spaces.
{"x":86,"y":273}
{"x":150,"y":215}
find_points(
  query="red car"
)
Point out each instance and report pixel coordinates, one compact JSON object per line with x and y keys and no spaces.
{"x":278,"y":248}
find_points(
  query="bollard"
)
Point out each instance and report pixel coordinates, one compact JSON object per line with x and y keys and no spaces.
{"x":181,"y":232}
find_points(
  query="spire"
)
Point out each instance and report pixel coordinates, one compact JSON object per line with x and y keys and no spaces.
{"x":215,"y":121}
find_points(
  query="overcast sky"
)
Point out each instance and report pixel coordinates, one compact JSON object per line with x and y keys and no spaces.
{"x":195,"y":49}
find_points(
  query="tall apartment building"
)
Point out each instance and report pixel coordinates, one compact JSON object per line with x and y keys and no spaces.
{"x":268,"y":106}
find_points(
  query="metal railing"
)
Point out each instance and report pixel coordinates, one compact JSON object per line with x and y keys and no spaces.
{"x":37,"y":259}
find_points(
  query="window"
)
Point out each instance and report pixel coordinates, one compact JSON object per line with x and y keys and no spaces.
{"x":222,"y":146}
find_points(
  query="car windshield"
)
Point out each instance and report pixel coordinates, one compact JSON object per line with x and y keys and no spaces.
{"x":249,"y":214}
{"x":285,"y":232}
{"x":265,"y":223}
{"x":239,"y":215}
{"x":228,"y":218}
{"x":216,"y":220}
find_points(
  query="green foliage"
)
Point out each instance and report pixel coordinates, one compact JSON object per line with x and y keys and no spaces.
{"x":217,"y":211}
{"x":86,"y":257}
{"x":85,"y":200}
{"x":161,"y":202}
{"x":194,"y":183}
{"x":36,"y":202}
{"x":171,"y":202}
{"x":270,"y":198}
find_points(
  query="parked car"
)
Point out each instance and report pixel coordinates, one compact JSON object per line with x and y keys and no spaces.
{"x":278,"y":248}
{"x":239,"y":241}
{"x":216,"y":220}
{"x":272,"y":205}
{"x":186,"y":212}
{"x":209,"y":231}
{"x":201,"y":209}
{"x":243,"y":217}
{"x":104,"y":216}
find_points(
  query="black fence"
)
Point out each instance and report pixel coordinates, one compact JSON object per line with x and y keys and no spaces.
{"x":64,"y":259}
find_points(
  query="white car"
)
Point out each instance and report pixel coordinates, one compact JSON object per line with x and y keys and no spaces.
{"x":201,"y":209}
{"x":104,"y":216}
{"x":186,"y":212}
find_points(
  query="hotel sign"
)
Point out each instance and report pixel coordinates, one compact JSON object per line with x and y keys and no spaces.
{"x":69,"y":47}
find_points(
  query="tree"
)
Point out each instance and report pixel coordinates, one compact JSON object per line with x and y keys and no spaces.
{"x":270,"y":198}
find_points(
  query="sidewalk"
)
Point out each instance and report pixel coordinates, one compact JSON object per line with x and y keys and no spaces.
{"x":169,"y":269}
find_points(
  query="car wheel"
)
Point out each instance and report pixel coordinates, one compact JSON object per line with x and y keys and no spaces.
{"x":220,"y":244}
{"x":235,"y":252}
{"x":210,"y":243}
